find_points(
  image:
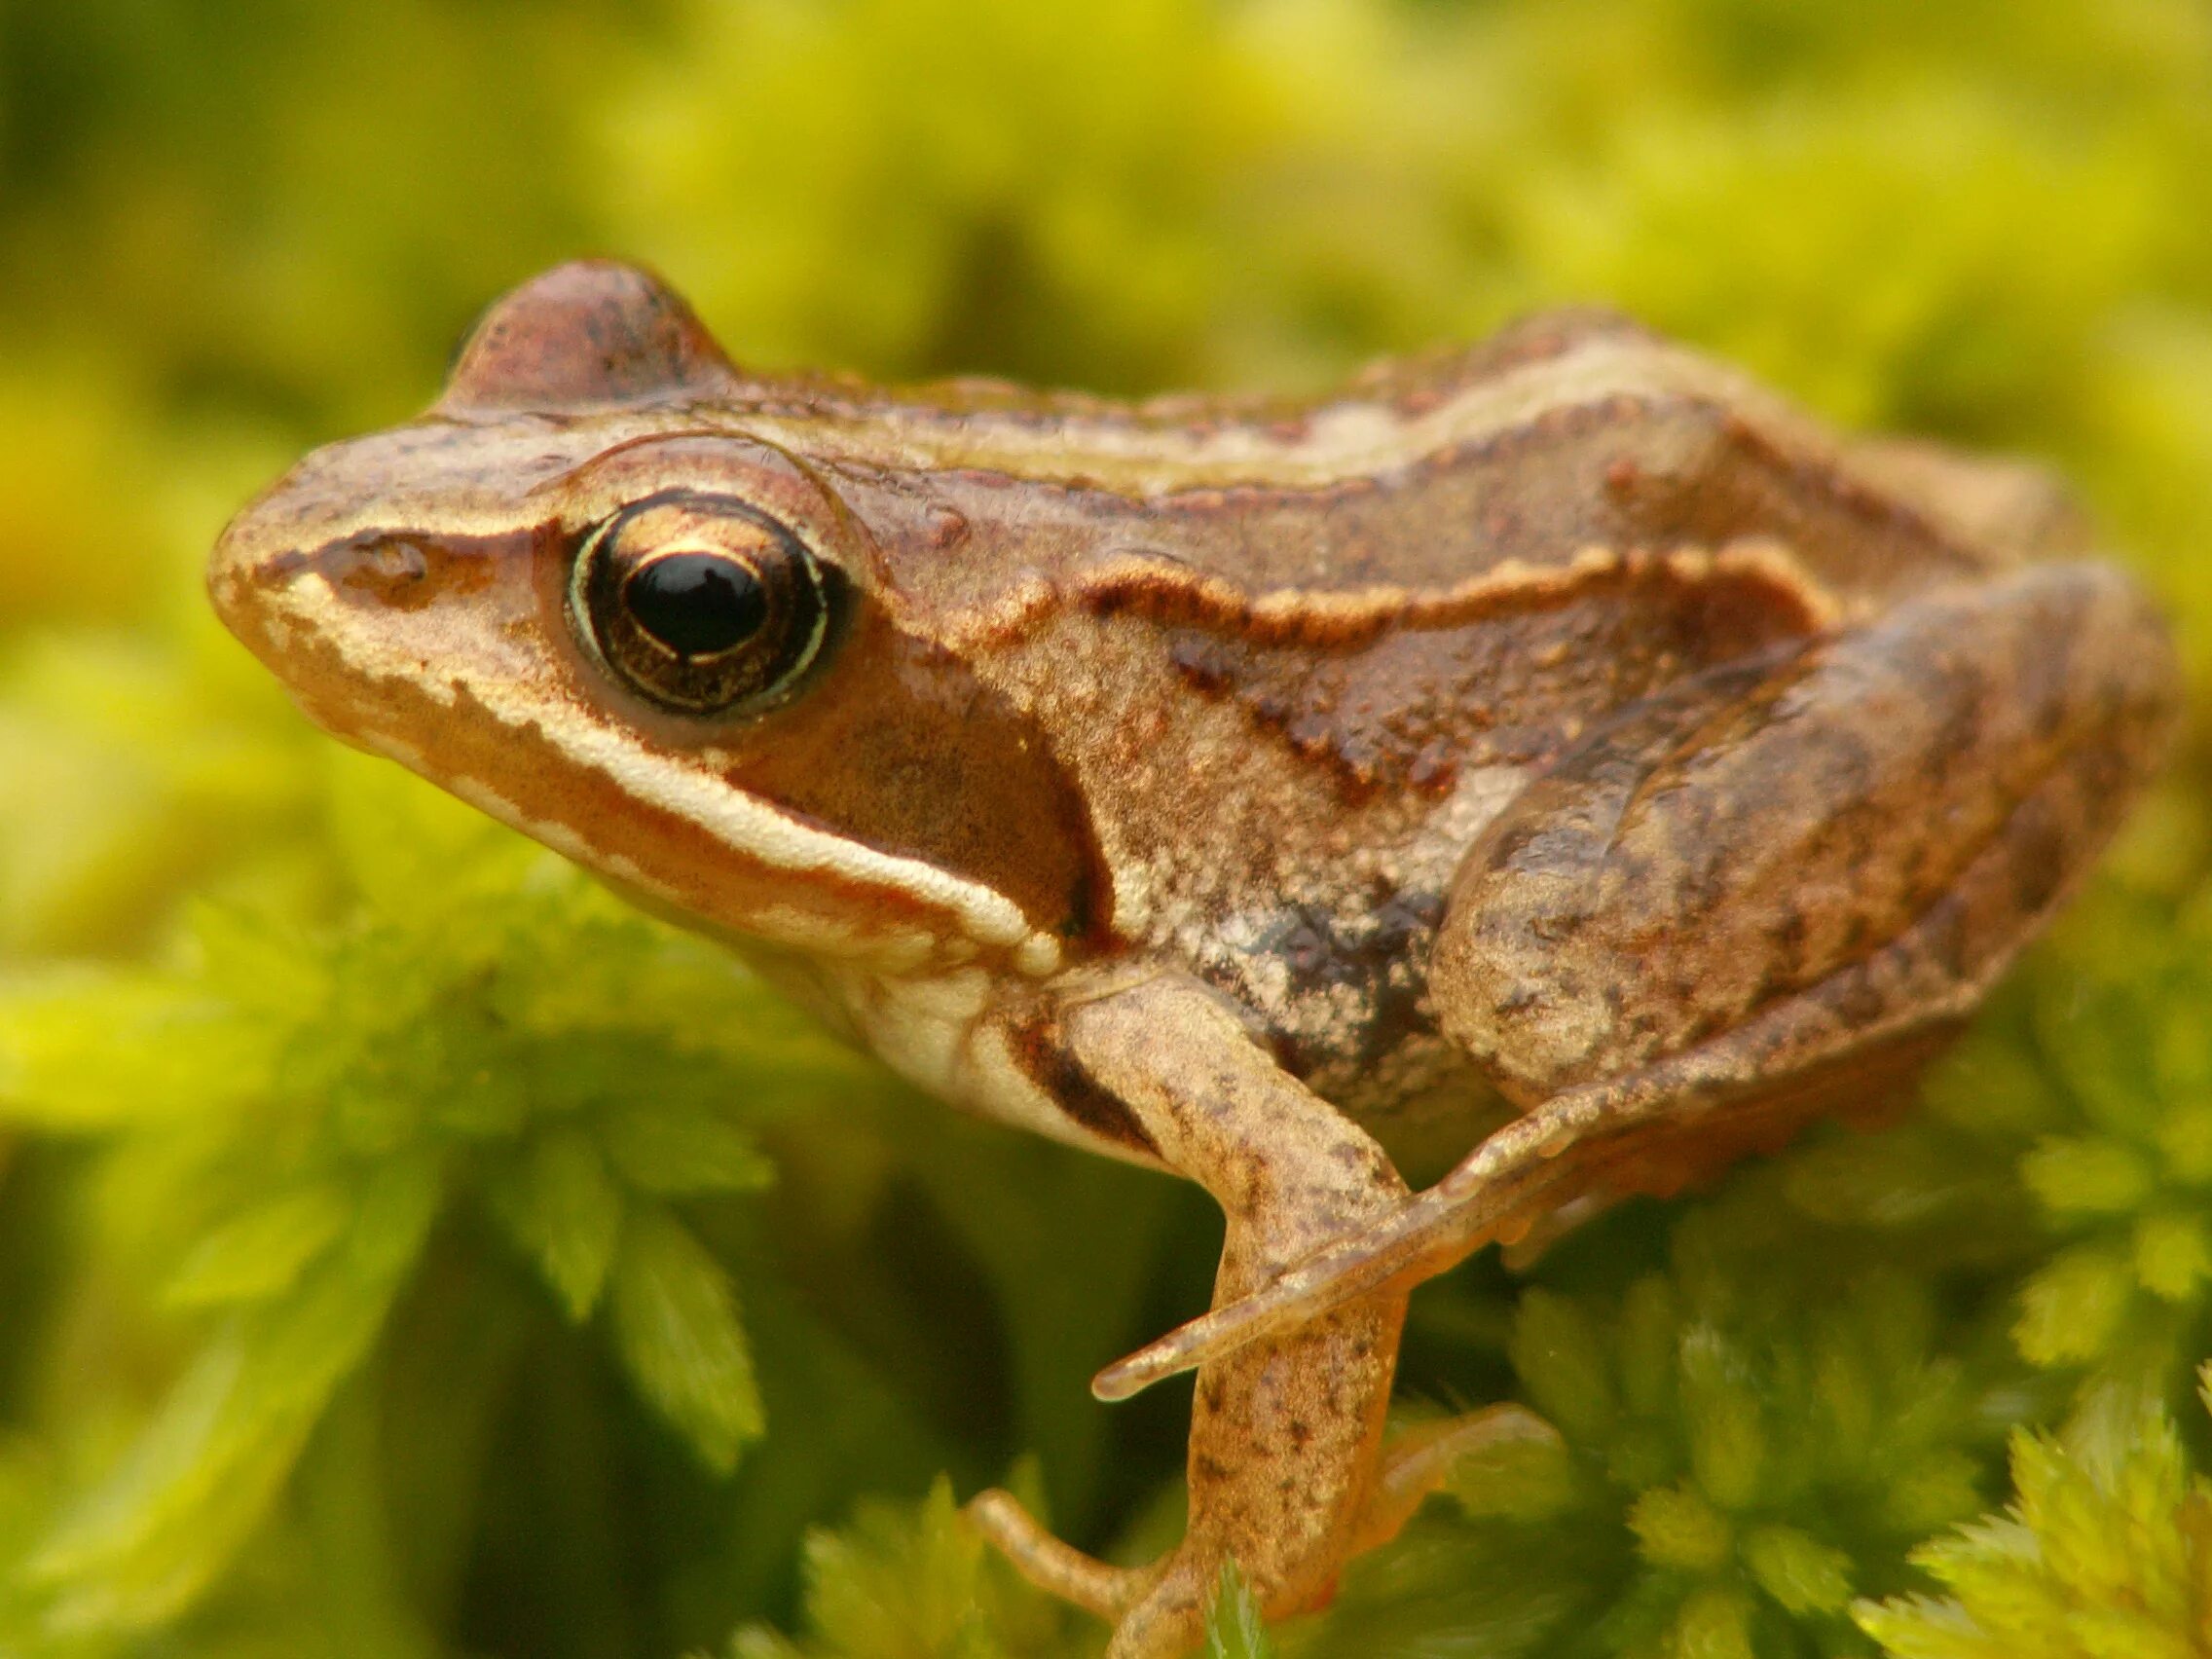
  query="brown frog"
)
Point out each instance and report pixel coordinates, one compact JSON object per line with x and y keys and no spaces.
{"x":1564,"y":738}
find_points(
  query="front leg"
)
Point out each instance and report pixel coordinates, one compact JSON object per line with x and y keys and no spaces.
{"x":1758,"y":898}
{"x":1286,"y":1436}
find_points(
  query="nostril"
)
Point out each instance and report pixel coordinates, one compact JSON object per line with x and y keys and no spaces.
{"x":387,"y":563}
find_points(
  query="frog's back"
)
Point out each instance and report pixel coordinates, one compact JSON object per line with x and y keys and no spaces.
{"x":1416,"y":481}
{"x":1297,"y":656}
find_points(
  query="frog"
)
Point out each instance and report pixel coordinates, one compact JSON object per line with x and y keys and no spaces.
{"x":1562,"y":743}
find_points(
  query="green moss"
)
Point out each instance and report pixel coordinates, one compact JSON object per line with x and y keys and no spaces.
{"x":290,"y":1115}
{"x":405,"y":1249}
{"x":2105,"y":1550}
{"x":901,"y":1583}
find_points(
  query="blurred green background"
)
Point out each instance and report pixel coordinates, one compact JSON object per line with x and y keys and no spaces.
{"x":404,"y":1251}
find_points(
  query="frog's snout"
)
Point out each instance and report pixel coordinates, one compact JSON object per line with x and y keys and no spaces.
{"x":268,"y":581}
{"x":286,"y":599}
{"x":319,"y":555}
{"x":240,"y":571}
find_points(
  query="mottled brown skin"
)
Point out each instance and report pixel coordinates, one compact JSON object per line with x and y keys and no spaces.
{"x":1564,"y":739}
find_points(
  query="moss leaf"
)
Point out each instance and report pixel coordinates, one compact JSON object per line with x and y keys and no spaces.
{"x":675,"y":1323}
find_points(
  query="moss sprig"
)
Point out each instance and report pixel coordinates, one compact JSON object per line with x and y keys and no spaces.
{"x":2106,"y":1550}
{"x":292,"y":1114}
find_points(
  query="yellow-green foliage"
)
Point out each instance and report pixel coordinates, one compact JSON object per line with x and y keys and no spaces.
{"x":2107,"y":1550}
{"x":406,"y":1251}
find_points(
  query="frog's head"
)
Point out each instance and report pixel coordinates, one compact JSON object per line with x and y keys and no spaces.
{"x":579,"y":595}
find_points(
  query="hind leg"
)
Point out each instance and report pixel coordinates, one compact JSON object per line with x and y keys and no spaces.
{"x":1758,"y":898}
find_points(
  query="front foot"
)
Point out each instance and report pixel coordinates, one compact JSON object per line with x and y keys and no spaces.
{"x":1171,"y":1618}
{"x":1160,"y":1612}
{"x":1288,"y":1472}
{"x":1055,"y":1567}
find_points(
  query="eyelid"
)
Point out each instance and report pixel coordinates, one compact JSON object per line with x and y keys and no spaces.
{"x":566,"y":482}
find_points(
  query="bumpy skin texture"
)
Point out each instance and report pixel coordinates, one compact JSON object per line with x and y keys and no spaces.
{"x":1562,"y":739}
{"x":1739,"y":842}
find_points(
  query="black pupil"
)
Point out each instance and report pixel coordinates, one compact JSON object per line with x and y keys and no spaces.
{"x":696,"y":604}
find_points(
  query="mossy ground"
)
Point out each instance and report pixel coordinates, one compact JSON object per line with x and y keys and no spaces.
{"x":406,"y":1251}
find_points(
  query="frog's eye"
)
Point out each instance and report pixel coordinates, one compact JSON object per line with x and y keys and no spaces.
{"x":701,"y":604}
